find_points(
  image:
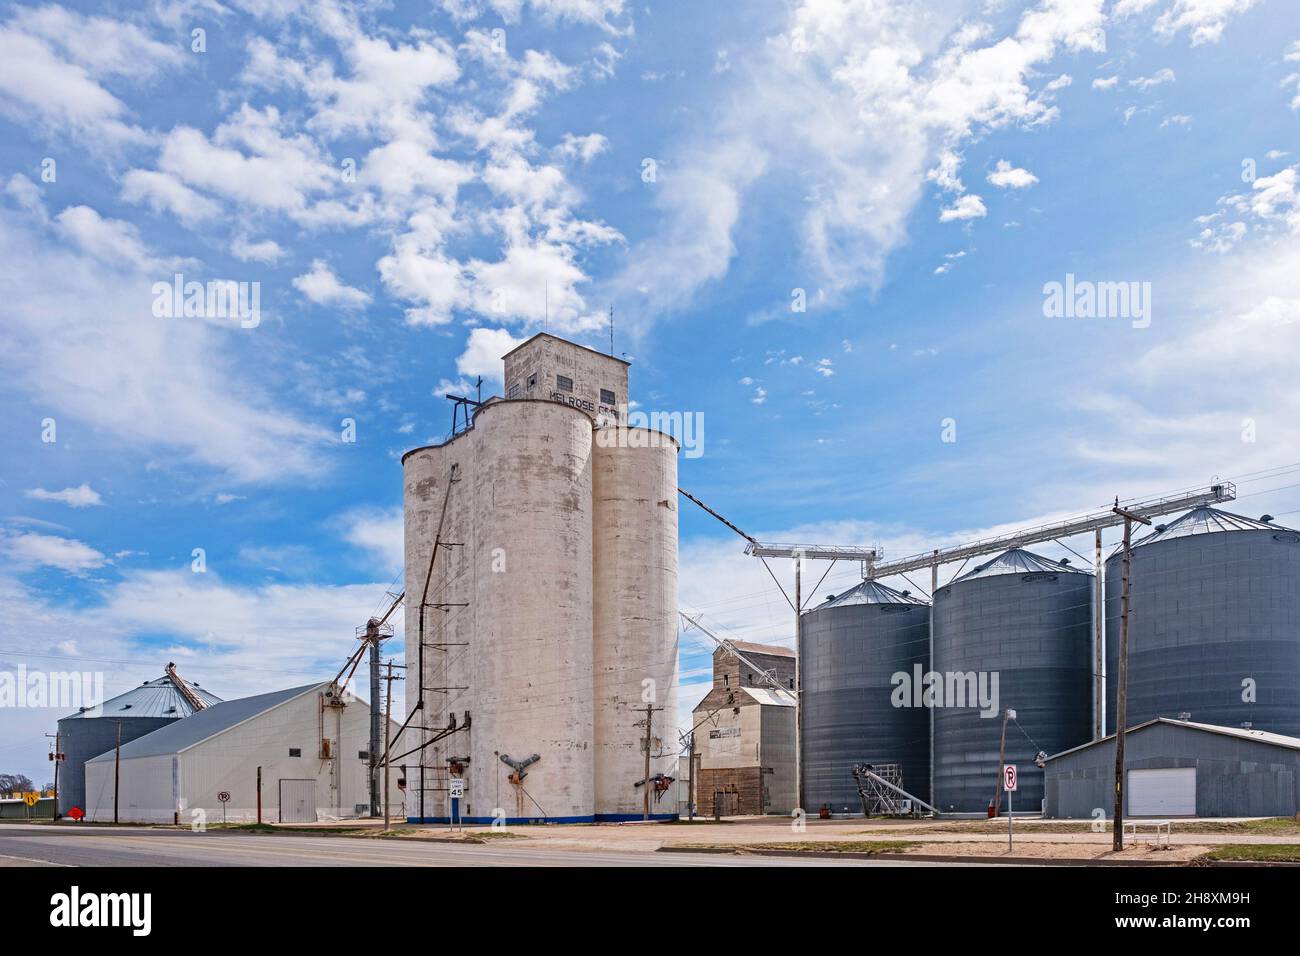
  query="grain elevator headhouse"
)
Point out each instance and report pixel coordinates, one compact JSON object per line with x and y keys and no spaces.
{"x":547,"y":367}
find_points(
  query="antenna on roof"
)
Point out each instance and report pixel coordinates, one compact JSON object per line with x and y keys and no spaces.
{"x":611,"y":330}
{"x":546,"y":306}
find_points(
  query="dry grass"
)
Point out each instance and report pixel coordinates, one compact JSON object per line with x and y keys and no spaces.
{"x":1256,"y":853}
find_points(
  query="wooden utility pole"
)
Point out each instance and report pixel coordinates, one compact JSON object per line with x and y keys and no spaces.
{"x":117,"y":768}
{"x":1121,"y":696}
{"x":649,"y":715}
{"x":58,"y":759}
{"x":690,"y":777}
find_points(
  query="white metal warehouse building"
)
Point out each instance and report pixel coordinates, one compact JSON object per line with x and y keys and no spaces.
{"x":311,"y":746}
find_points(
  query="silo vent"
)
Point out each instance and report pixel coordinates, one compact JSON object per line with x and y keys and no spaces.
{"x":1065,"y":562}
{"x":830,"y":597}
{"x":1184,"y":715}
{"x":907,"y":594}
{"x":1160,"y":528}
{"x":1265,"y":518}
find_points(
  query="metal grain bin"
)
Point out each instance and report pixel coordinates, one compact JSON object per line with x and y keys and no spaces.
{"x":1214,"y":629}
{"x":853,"y":645}
{"x":1026,"y":622}
{"x":94,"y":730}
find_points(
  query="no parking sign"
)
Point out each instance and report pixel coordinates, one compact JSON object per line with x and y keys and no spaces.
{"x":1009,"y":777}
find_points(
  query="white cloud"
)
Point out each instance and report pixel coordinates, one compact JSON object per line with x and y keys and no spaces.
{"x":378,"y":532}
{"x":323,"y":287}
{"x":915,"y":89}
{"x":1006,"y":176}
{"x":267,"y":251}
{"x":1177,"y":119}
{"x":483,"y":352}
{"x":163,"y":192}
{"x":83,"y":496}
{"x":249,"y":160}
{"x":583,"y":148}
{"x":30,"y":550}
{"x":1205,"y":20}
{"x":968,"y":206}
{"x":404,"y":168}
{"x":1158,"y":78}
{"x":112,"y":241}
{"x":53,"y":64}
{"x":1105,"y":83}
{"x":596,"y":13}
{"x":85,"y":344}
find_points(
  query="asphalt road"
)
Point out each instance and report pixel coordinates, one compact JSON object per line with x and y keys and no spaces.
{"x":23,"y":845}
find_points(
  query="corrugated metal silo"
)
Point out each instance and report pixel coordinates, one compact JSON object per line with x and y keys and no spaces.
{"x":634,"y":569}
{"x":94,"y":730}
{"x":853,"y":645}
{"x":1215,"y":612}
{"x":1027,"y":620}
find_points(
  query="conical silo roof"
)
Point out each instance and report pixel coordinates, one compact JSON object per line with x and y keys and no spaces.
{"x":1206,"y":520}
{"x":1017,"y":561}
{"x":153,"y":698}
{"x":869,"y":592}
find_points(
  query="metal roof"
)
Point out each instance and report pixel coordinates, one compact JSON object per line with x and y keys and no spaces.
{"x":1259,"y":736}
{"x":183,"y":734}
{"x":771,"y":650}
{"x":769,"y":697}
{"x":1206,"y":520}
{"x":153,"y":698}
{"x":1017,"y":561}
{"x":870,"y":592}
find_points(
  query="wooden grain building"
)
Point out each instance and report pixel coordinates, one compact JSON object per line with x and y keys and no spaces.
{"x":745,"y":747}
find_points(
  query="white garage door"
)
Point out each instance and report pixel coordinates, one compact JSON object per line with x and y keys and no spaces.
{"x":297,"y":801}
{"x":1162,"y":793}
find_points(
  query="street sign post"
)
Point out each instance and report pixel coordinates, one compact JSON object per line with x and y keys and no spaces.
{"x":457,"y":793}
{"x":1010,"y":780}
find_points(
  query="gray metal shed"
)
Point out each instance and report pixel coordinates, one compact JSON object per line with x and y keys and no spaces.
{"x":1178,"y":768}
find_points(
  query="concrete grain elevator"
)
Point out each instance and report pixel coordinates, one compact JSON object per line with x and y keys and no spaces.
{"x":541,"y":555}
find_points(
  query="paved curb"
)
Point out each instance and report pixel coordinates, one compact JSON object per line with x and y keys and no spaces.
{"x":920,"y":857}
{"x":1280,"y":863}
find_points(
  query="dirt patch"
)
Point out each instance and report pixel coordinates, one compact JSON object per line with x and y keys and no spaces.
{"x":868,"y":847}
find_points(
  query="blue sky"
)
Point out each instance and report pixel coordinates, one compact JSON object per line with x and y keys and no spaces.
{"x":918,"y":171}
